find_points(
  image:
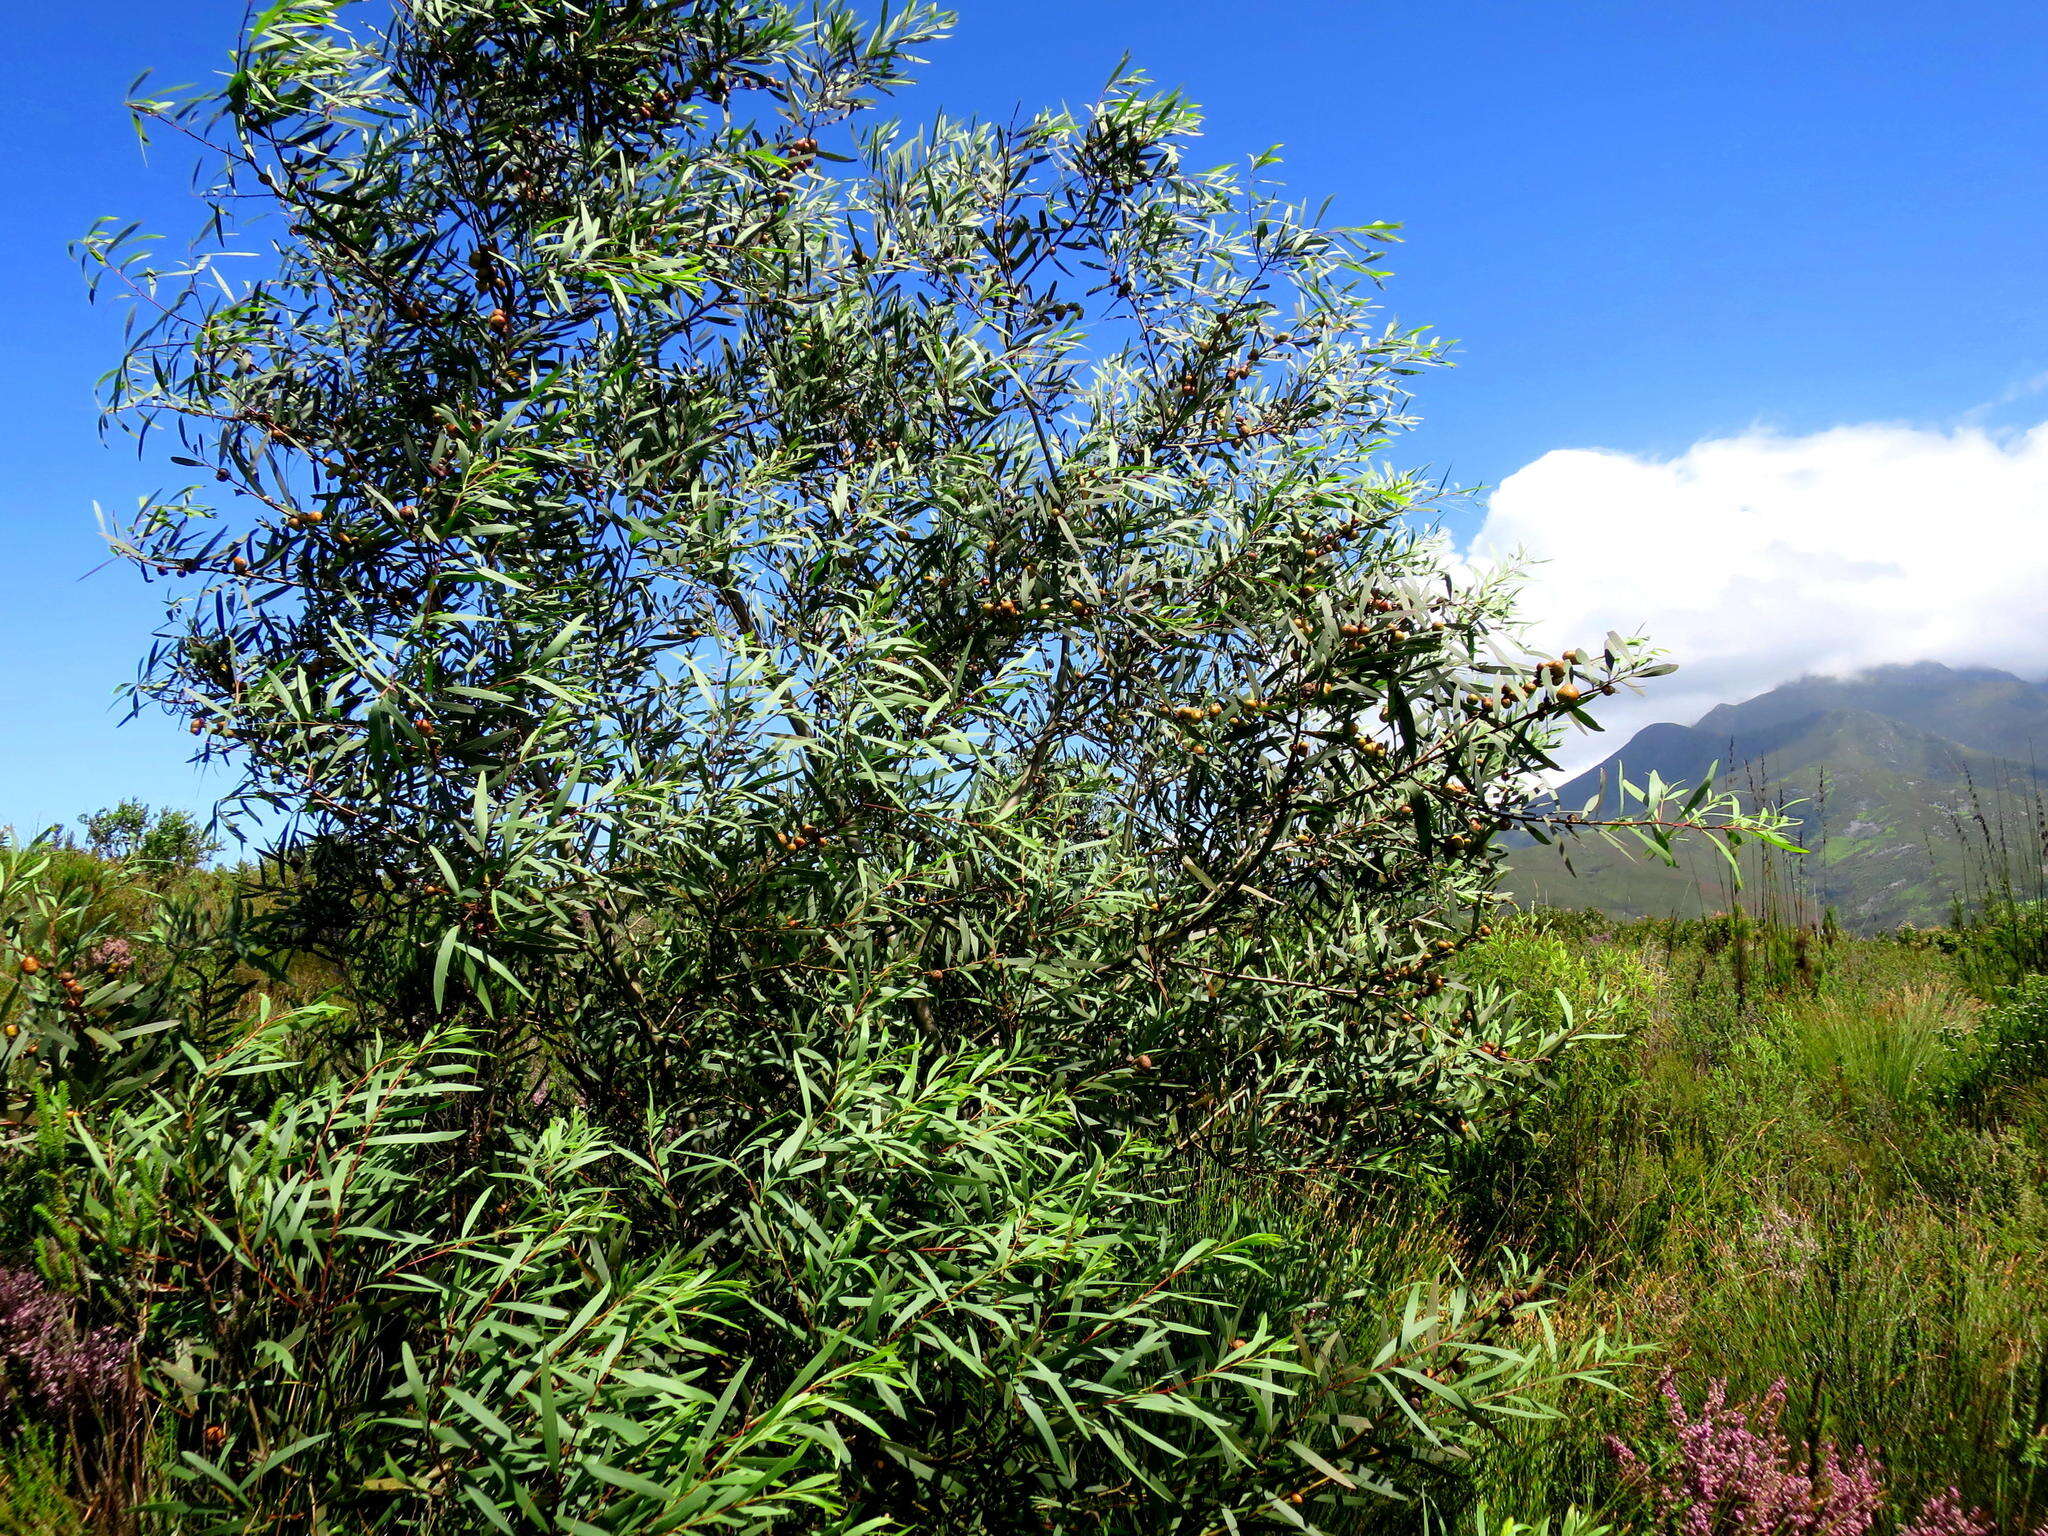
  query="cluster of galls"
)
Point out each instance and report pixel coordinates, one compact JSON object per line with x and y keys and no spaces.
{"x":809,"y":835}
{"x":1549,"y":690}
{"x":1422,"y":966}
{"x":1193,"y":715}
{"x":1369,"y":747}
{"x":29,"y":966}
{"x":1410,"y":620}
{"x":1042,"y":608}
{"x":1400,"y":634}
{"x":218,"y":726}
{"x":1418,"y":976}
{"x":1188,"y":381}
{"x":1557,"y":674}
{"x":656,"y":106}
{"x":797,"y":158}
{"x":73,"y":989}
{"x":1318,"y":545}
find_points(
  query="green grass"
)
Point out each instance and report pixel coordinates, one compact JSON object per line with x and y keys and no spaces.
{"x":1824,"y":1161}
{"x":1771,"y":1175}
{"x":34,"y":1497}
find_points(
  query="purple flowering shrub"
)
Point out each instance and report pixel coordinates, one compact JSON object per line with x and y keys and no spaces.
{"x":47,"y":1362}
{"x":1733,"y":1471}
{"x":115,"y":955}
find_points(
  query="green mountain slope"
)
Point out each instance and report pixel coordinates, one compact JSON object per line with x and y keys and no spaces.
{"x":1910,"y":786}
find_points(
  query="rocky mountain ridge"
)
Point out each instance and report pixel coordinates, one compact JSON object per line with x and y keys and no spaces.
{"x":1910,"y":786}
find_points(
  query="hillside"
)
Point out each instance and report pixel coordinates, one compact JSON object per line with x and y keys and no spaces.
{"x":1908,"y":784}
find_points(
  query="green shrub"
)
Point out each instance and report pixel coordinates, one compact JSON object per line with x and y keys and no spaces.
{"x":352,"y":1327}
{"x":34,"y":1489}
{"x":844,"y":706}
{"x":925,"y":1297}
{"x":2006,"y":1051}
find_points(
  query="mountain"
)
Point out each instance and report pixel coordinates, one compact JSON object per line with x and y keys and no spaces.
{"x":1909,"y":785}
{"x":1977,"y":707}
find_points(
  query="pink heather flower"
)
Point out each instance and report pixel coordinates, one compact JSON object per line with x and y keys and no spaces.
{"x":115,"y":954}
{"x":1737,"y":1474}
{"x":1852,"y":1492}
{"x":1944,"y":1515}
{"x":45,"y":1357}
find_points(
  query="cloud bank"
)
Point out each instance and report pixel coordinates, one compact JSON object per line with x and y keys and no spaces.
{"x":1755,"y":559}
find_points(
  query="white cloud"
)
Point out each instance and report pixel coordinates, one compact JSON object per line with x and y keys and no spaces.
{"x":1752,"y":560}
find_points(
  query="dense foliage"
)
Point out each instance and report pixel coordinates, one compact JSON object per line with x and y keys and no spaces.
{"x":853,"y":732}
{"x":692,"y":604}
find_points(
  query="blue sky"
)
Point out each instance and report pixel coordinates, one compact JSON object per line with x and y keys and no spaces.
{"x":1659,"y":231}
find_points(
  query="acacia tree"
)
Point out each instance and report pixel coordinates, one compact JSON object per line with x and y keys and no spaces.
{"x":722,"y":592}
{"x":668,"y":581}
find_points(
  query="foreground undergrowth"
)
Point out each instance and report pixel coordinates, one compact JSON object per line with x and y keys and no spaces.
{"x":1815,"y":1162}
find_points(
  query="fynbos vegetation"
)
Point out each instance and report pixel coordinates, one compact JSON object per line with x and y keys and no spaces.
{"x":882,"y":841}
